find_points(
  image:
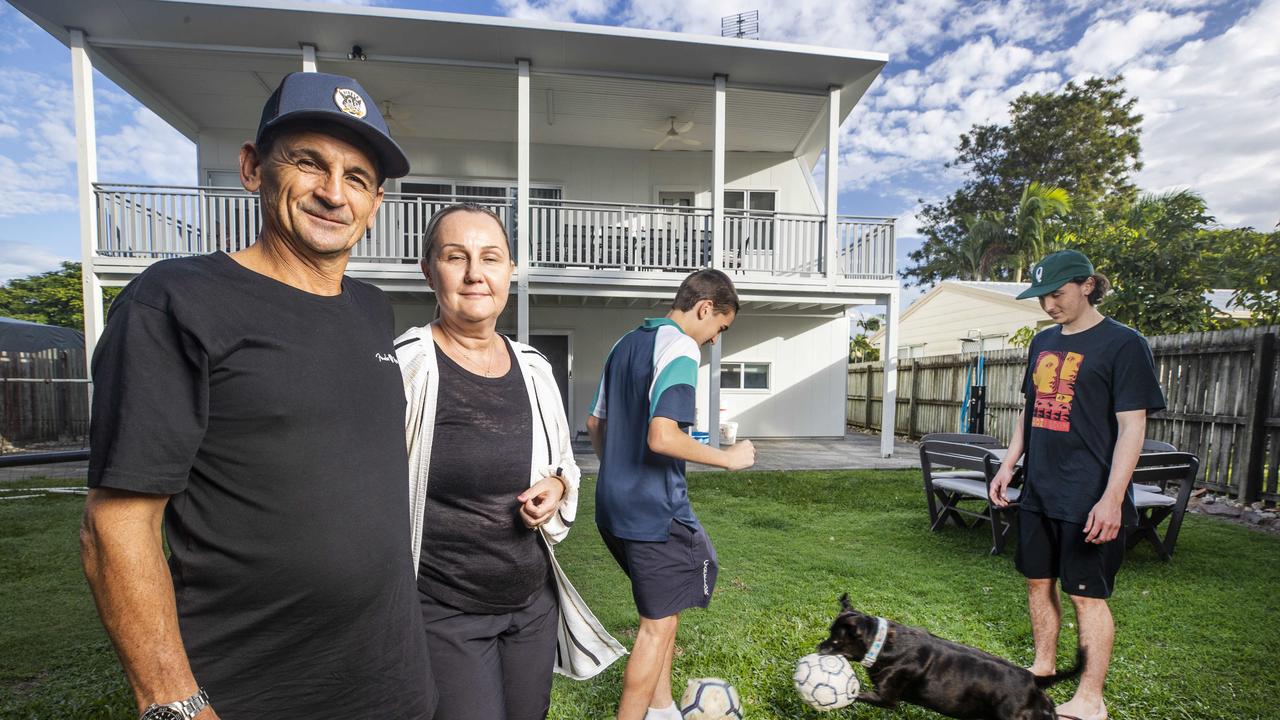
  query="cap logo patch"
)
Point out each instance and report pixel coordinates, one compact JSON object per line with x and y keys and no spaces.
{"x":1039,"y":274}
{"x":349,"y":102}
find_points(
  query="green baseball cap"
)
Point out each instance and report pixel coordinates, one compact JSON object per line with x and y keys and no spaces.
{"x":1054,"y":271}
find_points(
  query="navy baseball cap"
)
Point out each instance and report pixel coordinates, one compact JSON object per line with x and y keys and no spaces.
{"x":337,"y":99}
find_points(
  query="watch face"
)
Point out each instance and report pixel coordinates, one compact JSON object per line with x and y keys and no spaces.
{"x":162,"y":713}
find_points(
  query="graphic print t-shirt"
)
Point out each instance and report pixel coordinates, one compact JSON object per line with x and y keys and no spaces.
{"x":1074,"y":385}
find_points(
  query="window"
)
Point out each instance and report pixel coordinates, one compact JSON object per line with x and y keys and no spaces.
{"x":749,"y":215}
{"x":757,"y":201}
{"x":744,"y":376}
{"x":424,"y":198}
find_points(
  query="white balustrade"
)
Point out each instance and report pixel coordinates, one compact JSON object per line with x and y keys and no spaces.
{"x":163,"y":221}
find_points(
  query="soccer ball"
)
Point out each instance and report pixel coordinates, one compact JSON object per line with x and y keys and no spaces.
{"x":826,"y":682}
{"x":710,"y":699}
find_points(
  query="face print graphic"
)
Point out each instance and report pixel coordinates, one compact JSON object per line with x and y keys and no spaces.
{"x":1054,"y":378}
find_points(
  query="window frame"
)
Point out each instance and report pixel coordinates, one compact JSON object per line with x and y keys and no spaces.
{"x":742,"y":375}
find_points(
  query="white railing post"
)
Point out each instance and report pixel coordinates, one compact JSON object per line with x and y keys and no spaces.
{"x":832,"y":230}
{"x":86,"y":176}
{"x":522,"y":200}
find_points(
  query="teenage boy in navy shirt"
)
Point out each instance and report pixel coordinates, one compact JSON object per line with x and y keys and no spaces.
{"x":1089,"y":386}
{"x":639,"y":423}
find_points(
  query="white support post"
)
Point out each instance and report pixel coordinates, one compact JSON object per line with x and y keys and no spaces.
{"x":889,"y":404}
{"x":717,"y":251}
{"x":308,"y":57}
{"x":523,"y":220}
{"x":86,"y":176}
{"x":831,"y":227}
{"x":713,"y":392}
{"x":717,"y":176}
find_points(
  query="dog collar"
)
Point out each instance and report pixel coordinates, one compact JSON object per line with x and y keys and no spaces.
{"x":882,"y":631}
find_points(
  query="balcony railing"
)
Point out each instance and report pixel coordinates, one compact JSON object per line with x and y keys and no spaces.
{"x":162,"y":221}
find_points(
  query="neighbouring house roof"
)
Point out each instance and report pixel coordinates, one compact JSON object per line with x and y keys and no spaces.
{"x":1001,"y":293}
{"x":23,"y":336}
{"x":1221,"y":301}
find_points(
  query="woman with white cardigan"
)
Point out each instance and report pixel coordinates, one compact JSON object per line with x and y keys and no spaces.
{"x":493,"y":487}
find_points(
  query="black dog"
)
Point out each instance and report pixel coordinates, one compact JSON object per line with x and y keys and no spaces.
{"x":949,"y":678}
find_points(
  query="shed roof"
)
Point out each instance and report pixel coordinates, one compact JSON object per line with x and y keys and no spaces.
{"x":23,"y":336}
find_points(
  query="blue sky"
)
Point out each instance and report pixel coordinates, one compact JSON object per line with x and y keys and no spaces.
{"x":1206,"y":73}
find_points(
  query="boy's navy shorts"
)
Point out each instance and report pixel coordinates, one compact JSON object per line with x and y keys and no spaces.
{"x":667,"y":576}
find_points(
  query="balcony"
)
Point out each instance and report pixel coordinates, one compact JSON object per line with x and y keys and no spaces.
{"x":568,"y":238}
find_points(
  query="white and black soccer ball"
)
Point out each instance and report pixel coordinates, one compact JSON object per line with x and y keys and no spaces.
{"x":710,"y":699}
{"x":826,"y":682}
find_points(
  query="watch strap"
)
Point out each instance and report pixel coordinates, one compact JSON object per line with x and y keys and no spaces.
{"x":187,"y":709}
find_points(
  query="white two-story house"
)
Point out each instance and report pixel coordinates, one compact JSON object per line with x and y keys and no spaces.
{"x":620,"y":159}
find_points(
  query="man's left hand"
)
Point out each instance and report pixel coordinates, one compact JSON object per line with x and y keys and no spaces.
{"x":541,"y":500}
{"x":1103,"y":524}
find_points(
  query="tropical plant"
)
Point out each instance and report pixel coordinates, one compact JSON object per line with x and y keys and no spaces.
{"x":1021,"y":338}
{"x":1034,"y":230}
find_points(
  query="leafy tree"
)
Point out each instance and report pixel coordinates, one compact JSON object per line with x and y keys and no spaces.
{"x":52,"y":298}
{"x":979,"y":249}
{"x":861,"y":350}
{"x":1154,"y":252}
{"x":1250,"y":265}
{"x":1034,"y":232}
{"x":860,"y":347}
{"x":1084,"y":140}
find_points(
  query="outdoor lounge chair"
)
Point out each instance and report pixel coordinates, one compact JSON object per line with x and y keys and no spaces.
{"x":945,"y":492}
{"x":968,"y":439}
{"x":1159,"y":470}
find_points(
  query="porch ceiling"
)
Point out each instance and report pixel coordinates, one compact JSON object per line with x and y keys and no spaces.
{"x":229,"y":55}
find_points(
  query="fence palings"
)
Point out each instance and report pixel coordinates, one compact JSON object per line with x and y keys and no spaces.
{"x":1220,"y":388}
{"x":43,"y":398}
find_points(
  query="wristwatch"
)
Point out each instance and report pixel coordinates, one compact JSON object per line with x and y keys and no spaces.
{"x":180,"y":710}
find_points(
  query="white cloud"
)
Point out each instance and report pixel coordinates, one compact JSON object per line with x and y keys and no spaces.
{"x":148,"y":150}
{"x":1109,"y":44}
{"x":1210,"y":120}
{"x":20,"y":259}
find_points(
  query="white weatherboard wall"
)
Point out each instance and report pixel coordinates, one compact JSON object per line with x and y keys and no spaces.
{"x":939,"y":319}
{"x":585,"y":173}
{"x":807,"y":356}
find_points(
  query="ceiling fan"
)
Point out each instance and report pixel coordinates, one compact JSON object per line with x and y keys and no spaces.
{"x":674,"y":131}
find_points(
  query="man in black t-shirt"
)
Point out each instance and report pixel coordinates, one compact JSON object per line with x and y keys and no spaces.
{"x":1089,"y":386}
{"x":251,"y":406}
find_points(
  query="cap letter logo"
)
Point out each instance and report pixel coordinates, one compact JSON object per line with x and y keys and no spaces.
{"x":349,"y":102}
{"x":1039,"y":274}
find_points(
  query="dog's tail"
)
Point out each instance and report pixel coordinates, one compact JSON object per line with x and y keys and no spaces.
{"x":1044,"y":681}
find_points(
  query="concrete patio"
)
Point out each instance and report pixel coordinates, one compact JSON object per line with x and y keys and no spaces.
{"x":855,"y":450}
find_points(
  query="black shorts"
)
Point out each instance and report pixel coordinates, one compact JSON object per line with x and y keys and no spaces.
{"x":1050,"y":548}
{"x":668,"y":576}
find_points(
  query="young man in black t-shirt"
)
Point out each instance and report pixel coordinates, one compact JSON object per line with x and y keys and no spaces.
{"x":251,"y":406}
{"x":1089,"y":387}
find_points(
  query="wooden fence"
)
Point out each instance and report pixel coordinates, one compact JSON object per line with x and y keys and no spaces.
{"x":1220,"y":388}
{"x":44,"y":400}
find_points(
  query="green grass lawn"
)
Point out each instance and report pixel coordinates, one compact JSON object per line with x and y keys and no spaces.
{"x":1197,"y":637}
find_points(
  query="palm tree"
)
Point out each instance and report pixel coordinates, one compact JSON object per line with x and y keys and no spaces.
{"x":1033,"y":233}
{"x":980,"y":247}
